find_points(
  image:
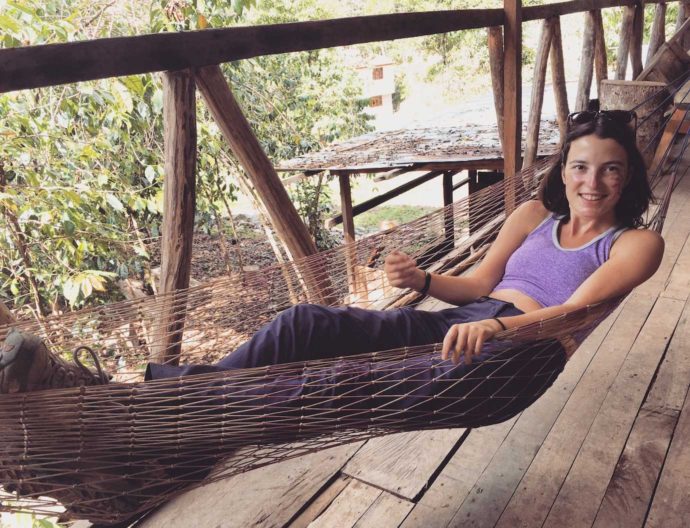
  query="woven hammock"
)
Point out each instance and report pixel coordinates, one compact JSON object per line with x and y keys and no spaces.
{"x":107,"y":453}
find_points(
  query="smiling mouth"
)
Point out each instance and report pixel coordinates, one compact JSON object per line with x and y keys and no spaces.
{"x":592,"y":197}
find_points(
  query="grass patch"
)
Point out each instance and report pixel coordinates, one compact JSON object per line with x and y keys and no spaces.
{"x":400,"y":214}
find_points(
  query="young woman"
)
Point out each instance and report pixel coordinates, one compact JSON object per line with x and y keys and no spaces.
{"x":579,"y":244}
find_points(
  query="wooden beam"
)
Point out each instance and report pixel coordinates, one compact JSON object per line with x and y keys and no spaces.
{"x":244,"y":144}
{"x":584,"y":84}
{"x":52,"y":64}
{"x":658,"y":32}
{"x":558,"y":78}
{"x":346,"y":207}
{"x":495,"y":39}
{"x":537,"y":99}
{"x":624,"y":43}
{"x":600,"y":60}
{"x":567,"y":8}
{"x":179,"y":188}
{"x":512,"y":90}
{"x":636,"y":40}
{"x":381,"y":198}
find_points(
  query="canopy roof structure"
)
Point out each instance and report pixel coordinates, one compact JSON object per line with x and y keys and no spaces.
{"x":470,"y":146}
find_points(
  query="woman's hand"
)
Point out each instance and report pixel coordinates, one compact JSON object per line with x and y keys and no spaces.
{"x":467,"y":339}
{"x":402,"y":271}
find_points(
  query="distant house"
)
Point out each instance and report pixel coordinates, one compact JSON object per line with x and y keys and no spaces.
{"x":378,"y":85}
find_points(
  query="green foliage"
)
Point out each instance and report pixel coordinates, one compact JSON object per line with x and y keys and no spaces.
{"x":81,"y":165}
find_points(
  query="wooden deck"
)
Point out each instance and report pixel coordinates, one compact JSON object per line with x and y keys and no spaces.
{"x":608,"y":445}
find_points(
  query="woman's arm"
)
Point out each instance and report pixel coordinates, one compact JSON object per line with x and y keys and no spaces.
{"x":634,"y":258}
{"x":402,"y":270}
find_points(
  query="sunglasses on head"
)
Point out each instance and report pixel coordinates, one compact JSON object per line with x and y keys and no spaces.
{"x":622,"y":117}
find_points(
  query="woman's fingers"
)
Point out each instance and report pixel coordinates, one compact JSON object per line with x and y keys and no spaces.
{"x":465,"y":340}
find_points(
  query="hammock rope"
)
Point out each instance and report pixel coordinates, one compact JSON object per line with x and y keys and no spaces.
{"x":109,"y":452}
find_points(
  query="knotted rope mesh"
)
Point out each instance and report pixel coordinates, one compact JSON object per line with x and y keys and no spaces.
{"x":107,"y":453}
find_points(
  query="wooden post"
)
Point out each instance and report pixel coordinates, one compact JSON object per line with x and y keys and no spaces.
{"x":284,"y":217}
{"x":624,"y":43}
{"x":636,"y":39}
{"x":683,"y":14}
{"x":496,"y":64}
{"x":179,"y":118}
{"x":558,"y":76}
{"x":537,"y":99}
{"x":658,"y":32}
{"x":600,"y":61}
{"x":512,"y":90}
{"x":584,"y":84}
{"x":448,"y":223}
{"x":346,"y":207}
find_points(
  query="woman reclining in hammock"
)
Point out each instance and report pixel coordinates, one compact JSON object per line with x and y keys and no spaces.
{"x":579,"y":244}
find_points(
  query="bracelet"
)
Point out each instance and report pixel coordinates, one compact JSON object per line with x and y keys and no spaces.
{"x":504,"y":327}
{"x":427,"y":283}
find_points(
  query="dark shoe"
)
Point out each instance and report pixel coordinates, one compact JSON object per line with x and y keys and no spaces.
{"x":27,"y":365}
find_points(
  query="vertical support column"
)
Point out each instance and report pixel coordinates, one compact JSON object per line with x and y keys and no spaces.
{"x":600,"y":60}
{"x":496,"y":64}
{"x":636,"y":40}
{"x":537,"y":99}
{"x":179,"y":118}
{"x":448,"y":222}
{"x":624,"y":43}
{"x":584,"y":84}
{"x":658,"y":33}
{"x":512,"y":90}
{"x":356,"y":290}
{"x":346,"y":207}
{"x":558,"y":77}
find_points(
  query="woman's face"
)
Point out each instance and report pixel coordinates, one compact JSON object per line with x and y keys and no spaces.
{"x":594,"y":175}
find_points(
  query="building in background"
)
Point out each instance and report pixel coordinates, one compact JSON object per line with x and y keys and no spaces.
{"x":378,"y":85}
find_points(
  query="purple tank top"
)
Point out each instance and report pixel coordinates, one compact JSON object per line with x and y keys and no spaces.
{"x":549,"y":273}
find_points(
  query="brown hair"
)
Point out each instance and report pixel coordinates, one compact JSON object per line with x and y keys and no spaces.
{"x":636,"y":195}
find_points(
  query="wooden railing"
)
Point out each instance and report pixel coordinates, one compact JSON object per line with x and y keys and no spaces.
{"x":191,"y":59}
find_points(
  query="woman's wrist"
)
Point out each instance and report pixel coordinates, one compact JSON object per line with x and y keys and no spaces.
{"x":425,"y":284}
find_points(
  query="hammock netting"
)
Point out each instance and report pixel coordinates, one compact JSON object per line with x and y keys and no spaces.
{"x":108,"y":453}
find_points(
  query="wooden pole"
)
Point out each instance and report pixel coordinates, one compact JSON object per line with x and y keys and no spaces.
{"x":636,"y":40}
{"x":496,"y":64}
{"x":537,"y":99}
{"x":600,"y":60}
{"x":683,"y":14}
{"x":658,"y":32}
{"x":179,"y":117}
{"x":237,"y":131}
{"x":448,"y":223}
{"x":584,"y":84}
{"x":346,"y":207}
{"x":558,"y":76}
{"x":624,"y":43}
{"x":512,"y":90}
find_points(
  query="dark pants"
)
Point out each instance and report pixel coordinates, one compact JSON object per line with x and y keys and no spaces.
{"x":410,"y":388}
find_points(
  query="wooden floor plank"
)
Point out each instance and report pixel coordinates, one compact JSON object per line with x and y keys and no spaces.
{"x":539,"y":487}
{"x":579,"y":498}
{"x":266,"y":497}
{"x":387,"y":511}
{"x":319,"y":504}
{"x":467,"y":471}
{"x":348,"y":507}
{"x":634,"y":480}
{"x":403,"y":463}
{"x":438,"y":505}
